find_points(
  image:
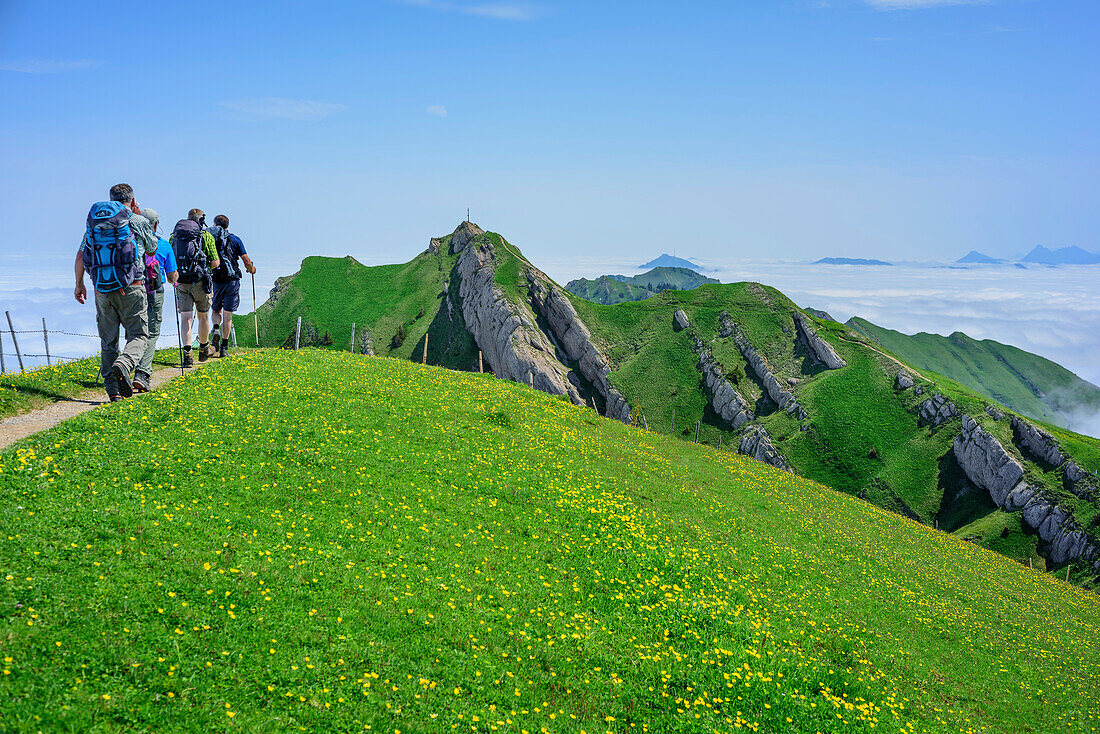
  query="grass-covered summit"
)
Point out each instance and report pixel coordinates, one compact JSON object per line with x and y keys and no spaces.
{"x":619,"y":288}
{"x":737,"y":365}
{"x":331,"y":542}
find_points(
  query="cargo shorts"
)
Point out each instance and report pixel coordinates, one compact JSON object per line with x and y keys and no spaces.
{"x":192,"y":296}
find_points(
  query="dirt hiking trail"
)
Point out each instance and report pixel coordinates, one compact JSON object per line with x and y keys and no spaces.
{"x":18,"y":427}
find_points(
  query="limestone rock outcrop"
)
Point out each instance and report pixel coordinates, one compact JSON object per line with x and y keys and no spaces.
{"x":994,"y":413}
{"x":991,"y":467}
{"x":821,"y":350}
{"x":575,"y":341}
{"x":904,"y":380}
{"x":783,"y":398}
{"x":724,"y":398}
{"x":1038,"y":442}
{"x":680,"y":320}
{"x":507,"y":333}
{"x":936,"y":411}
{"x":756,"y":442}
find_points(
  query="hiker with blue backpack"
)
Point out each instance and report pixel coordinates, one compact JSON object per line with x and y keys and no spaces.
{"x":227,"y":282}
{"x":159,"y":269}
{"x":196,"y":254}
{"x":116,"y":239}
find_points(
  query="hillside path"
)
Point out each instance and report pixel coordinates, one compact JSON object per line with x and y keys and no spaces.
{"x":18,"y":427}
{"x":893,"y":359}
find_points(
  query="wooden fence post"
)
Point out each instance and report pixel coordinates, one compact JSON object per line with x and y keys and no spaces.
{"x":480,"y":362}
{"x":46,"y":340}
{"x":645,"y":426}
{"x":1067,"y":571}
{"x":3,"y":368}
{"x":425,"y":359}
{"x":719,"y":441}
{"x":297,"y":333}
{"x":353,"y":337}
{"x":14,"y":341}
{"x":696,"y":431}
{"x":672,"y":430}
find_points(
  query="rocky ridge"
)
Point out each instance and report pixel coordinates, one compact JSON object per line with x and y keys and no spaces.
{"x":1042,"y":445}
{"x":936,"y":411}
{"x":756,"y":442}
{"x":505,"y":332}
{"x":991,"y":467}
{"x":783,"y":398}
{"x":821,"y":350}
{"x":724,"y":398}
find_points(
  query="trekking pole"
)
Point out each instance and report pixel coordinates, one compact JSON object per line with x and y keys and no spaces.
{"x":255,"y":319}
{"x":179,"y":329}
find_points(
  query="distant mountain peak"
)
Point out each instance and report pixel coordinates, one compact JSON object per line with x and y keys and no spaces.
{"x":671,"y":261}
{"x":1072,"y":255}
{"x":978,"y":257}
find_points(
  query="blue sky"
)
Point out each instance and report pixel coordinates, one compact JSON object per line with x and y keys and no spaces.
{"x":786,"y":129}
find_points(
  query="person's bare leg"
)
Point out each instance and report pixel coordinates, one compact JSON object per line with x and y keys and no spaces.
{"x":227,"y":323}
{"x":204,"y":327}
{"x":185,"y":328}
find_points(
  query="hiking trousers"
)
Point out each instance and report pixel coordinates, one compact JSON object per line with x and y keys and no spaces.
{"x":124,"y":308}
{"x":155,"y":317}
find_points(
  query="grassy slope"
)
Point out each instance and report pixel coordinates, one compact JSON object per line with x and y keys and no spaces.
{"x":609,"y":289}
{"x":333,"y":293}
{"x":998,"y":371}
{"x":329,"y":541}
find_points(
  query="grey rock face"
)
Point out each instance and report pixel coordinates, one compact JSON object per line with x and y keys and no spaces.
{"x":463,"y":234}
{"x":935,"y":411}
{"x":680,"y":320}
{"x":986,"y":463}
{"x":507,"y":333}
{"x":723,"y":396}
{"x":575,"y":341}
{"x":1082,"y":483}
{"x":435,"y":244}
{"x":918,"y":390}
{"x":783,"y":398}
{"x":994,"y":413}
{"x":756,"y":442}
{"x":1038,"y":442}
{"x":366,"y":342}
{"x":903,"y":381}
{"x":821,"y":350}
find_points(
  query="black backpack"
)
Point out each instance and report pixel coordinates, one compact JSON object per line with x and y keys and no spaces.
{"x":187,"y":246}
{"x":227,"y":256}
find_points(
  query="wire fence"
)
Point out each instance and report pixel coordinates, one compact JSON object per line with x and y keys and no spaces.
{"x":13,"y":343}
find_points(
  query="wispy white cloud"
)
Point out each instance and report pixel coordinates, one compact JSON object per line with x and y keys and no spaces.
{"x":46,"y":66}
{"x":918,"y":4}
{"x":500,"y":10}
{"x":437,"y":109}
{"x":285,"y":109}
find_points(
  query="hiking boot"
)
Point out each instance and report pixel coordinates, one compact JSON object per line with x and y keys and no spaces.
{"x":115,"y":398}
{"x":204,"y":352}
{"x":125,"y":385}
{"x":141,"y":382}
{"x":224,"y":352}
{"x":188,"y":360}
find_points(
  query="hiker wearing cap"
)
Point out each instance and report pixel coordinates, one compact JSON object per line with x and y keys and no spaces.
{"x":227,"y":282}
{"x":159,"y":269}
{"x":116,"y":239}
{"x":195,"y":254}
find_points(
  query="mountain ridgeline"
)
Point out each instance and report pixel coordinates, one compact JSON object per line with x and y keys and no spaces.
{"x":609,"y":289}
{"x":738,"y":366}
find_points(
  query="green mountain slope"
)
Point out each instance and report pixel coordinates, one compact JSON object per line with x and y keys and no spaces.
{"x":619,"y":288}
{"x":1025,"y":382}
{"x":853,"y":428}
{"x":332,"y":542}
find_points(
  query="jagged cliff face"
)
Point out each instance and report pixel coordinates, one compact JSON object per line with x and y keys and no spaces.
{"x":505,"y":332}
{"x":987,"y":463}
{"x":781,"y":396}
{"x":510,"y":336}
{"x":822,"y":351}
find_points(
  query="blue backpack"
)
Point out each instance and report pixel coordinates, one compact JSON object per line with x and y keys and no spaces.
{"x":110,"y":255}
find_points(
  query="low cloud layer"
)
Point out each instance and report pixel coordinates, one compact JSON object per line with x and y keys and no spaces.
{"x":285,"y":109}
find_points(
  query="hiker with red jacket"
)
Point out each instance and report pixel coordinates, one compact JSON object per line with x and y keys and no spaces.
{"x":195,"y":254}
{"x":116,"y":239}
{"x":227,"y":282}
